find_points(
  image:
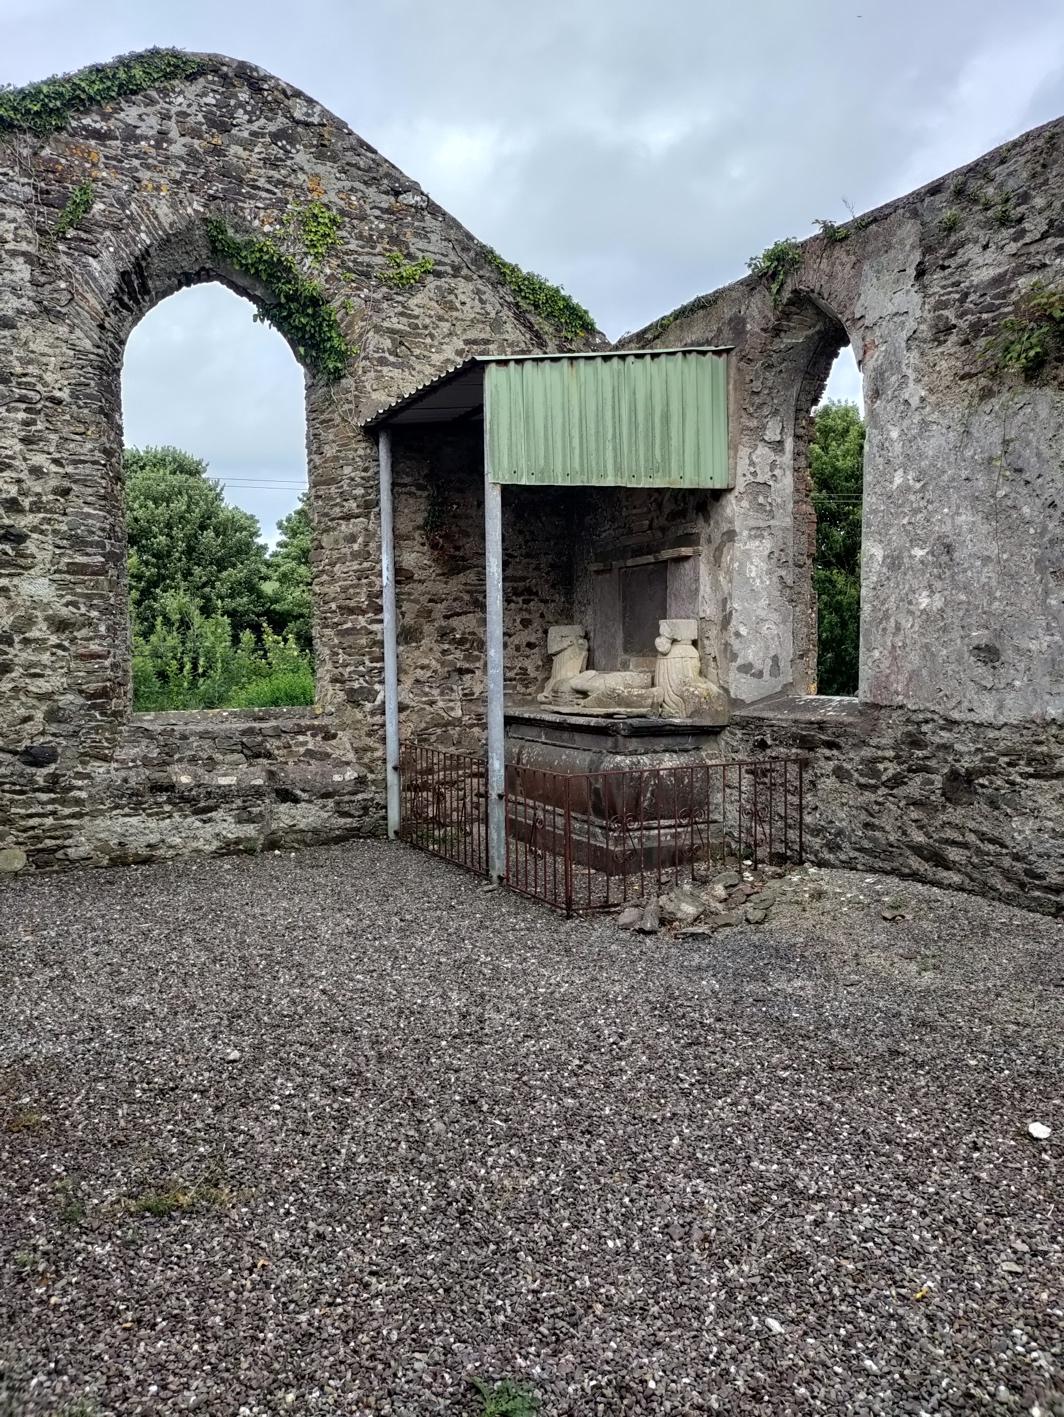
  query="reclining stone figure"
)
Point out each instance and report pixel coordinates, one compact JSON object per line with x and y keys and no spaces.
{"x":567,"y":647}
{"x":676,"y":689}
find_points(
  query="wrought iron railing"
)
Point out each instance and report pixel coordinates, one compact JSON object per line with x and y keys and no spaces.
{"x":443,"y":805}
{"x":591,"y":841}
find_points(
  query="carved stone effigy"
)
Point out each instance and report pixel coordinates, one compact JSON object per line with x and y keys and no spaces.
{"x":676,"y":689}
{"x":679,"y":685}
{"x":567,"y":647}
{"x":624,"y":691}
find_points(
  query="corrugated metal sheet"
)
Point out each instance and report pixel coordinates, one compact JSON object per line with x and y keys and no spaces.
{"x":638,"y":421}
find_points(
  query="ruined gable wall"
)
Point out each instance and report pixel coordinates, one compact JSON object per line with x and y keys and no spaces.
{"x":233,"y":142}
{"x":963,"y":576}
{"x":950,"y":766}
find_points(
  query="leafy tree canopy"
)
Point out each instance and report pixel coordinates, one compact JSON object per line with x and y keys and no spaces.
{"x":836,"y":460}
{"x":287,"y":586}
{"x":184,"y":537}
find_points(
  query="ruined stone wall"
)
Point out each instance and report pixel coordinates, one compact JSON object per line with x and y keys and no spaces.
{"x":967,"y":806}
{"x":963,"y":572}
{"x":233,"y":143}
{"x":950,"y":766}
{"x":179,"y":783}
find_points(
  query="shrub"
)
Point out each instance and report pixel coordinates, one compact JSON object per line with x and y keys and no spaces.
{"x":193,"y":661}
{"x":293,"y":686}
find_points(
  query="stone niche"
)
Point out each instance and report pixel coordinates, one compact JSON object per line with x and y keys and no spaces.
{"x":638,"y":563}
{"x":632,"y":590}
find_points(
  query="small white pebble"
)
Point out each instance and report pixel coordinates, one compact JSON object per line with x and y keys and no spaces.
{"x":774,"y":1326}
{"x":1040,"y":1131}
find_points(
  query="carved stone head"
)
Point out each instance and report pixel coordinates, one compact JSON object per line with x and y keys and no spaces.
{"x":563,"y":637}
{"x":684,"y":631}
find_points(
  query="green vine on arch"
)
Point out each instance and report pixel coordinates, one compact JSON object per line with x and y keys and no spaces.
{"x":316,"y":227}
{"x":548,"y":301}
{"x":299,"y":307}
{"x":401,"y":274}
{"x":46,"y":106}
{"x":76,"y":209}
{"x":776,"y":265}
{"x":1032,"y":336}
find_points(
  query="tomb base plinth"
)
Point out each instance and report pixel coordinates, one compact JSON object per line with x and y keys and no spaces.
{"x":624,"y":793}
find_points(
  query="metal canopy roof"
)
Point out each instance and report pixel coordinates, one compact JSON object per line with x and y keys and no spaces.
{"x":458,"y":392}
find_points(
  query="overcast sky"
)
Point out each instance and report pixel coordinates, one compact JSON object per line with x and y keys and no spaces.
{"x":636,"y":152}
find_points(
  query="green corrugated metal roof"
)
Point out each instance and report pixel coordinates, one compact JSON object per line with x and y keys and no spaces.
{"x":642,"y":420}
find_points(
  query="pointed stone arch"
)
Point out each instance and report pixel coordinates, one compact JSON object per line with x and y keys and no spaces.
{"x":234,"y":144}
{"x":105,"y":214}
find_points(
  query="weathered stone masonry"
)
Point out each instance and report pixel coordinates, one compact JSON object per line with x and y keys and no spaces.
{"x":237,"y":143}
{"x":951,"y":764}
{"x":963,"y":574}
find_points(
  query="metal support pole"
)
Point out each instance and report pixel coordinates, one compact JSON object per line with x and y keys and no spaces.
{"x":391,"y":653}
{"x":493,"y":638}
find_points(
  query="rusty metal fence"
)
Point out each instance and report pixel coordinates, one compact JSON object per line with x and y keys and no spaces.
{"x":443,"y":805}
{"x":591,"y":841}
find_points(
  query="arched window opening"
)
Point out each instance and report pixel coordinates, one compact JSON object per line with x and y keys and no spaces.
{"x":217,"y":520}
{"x":836,"y":460}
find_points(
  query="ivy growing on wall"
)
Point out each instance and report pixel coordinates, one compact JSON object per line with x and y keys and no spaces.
{"x":548,"y":301}
{"x":316,"y":227}
{"x":400,"y":274}
{"x":298,"y":306}
{"x":776,"y":265}
{"x":1032,"y":335}
{"x":76,"y":208}
{"x":46,"y":106}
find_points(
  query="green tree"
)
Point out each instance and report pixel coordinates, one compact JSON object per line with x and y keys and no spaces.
{"x":287,"y":584}
{"x":184,"y":538}
{"x":836,"y":461}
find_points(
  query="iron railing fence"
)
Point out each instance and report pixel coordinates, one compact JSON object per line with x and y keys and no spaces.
{"x":443,"y":805}
{"x":592,"y":841}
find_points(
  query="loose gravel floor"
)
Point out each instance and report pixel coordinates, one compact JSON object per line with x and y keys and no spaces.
{"x":332,"y":1132}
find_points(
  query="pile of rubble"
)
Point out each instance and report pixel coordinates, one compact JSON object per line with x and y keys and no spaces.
{"x":730,"y":897}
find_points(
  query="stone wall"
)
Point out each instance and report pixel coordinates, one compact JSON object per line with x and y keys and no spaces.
{"x":238,"y":144}
{"x":439,"y":549}
{"x":961,"y":805}
{"x":179,"y":783}
{"x":963,"y":572}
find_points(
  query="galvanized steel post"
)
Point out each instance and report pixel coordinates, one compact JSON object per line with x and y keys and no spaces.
{"x":493,"y":646}
{"x":391,"y":653}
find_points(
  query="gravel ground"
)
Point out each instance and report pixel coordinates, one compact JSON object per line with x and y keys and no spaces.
{"x":329,"y":1133}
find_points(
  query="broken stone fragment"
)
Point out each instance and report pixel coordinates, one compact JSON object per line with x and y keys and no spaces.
{"x":710,"y":924}
{"x":754,"y":915}
{"x":650,"y":922}
{"x":681,"y":906}
{"x":728,"y":879}
{"x":630,"y":917}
